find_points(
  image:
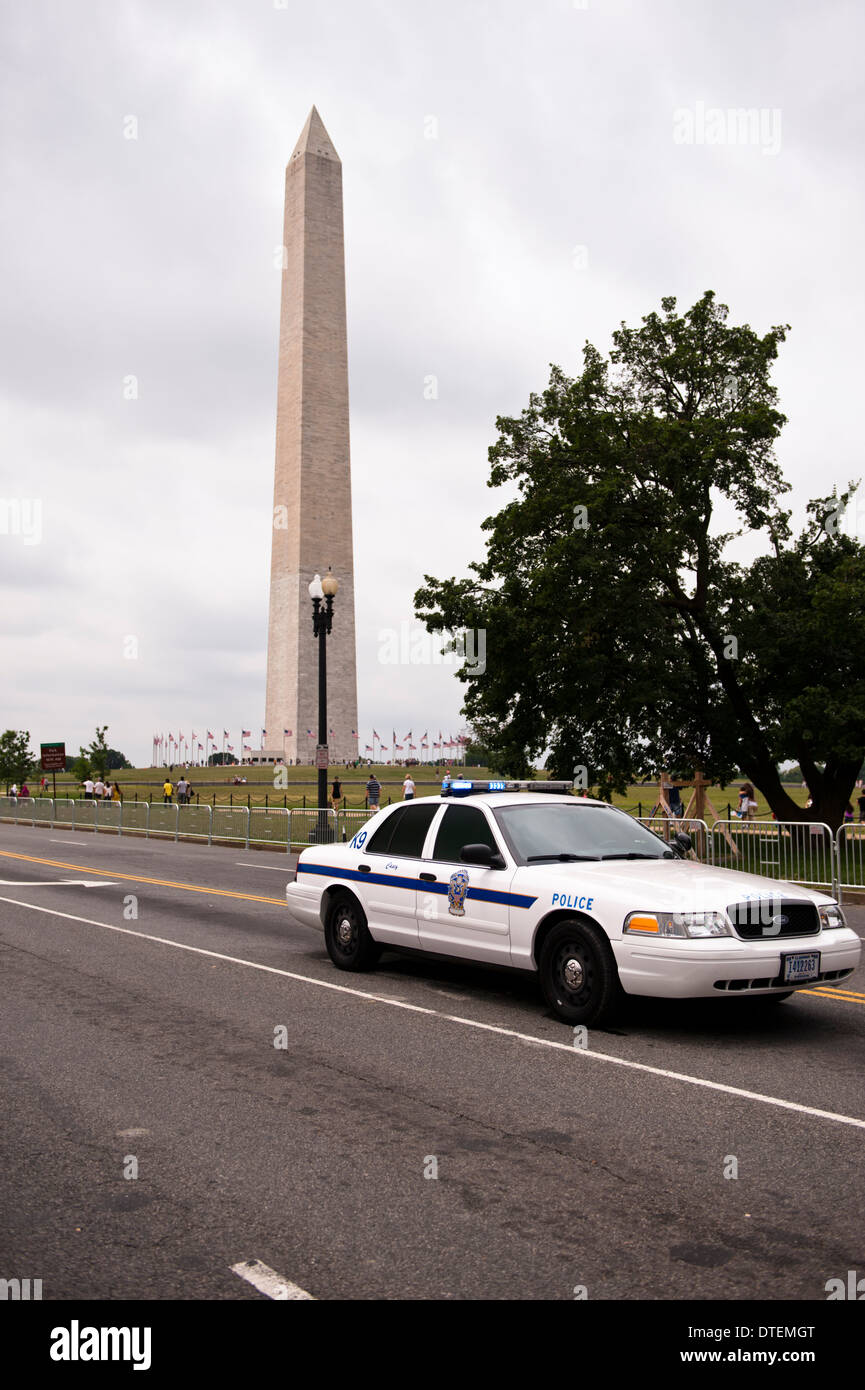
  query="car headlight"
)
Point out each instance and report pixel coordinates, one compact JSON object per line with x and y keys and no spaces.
{"x":680,"y":924}
{"x":831,"y":916}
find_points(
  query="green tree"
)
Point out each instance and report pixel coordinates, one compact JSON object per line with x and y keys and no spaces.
{"x":16,"y":759}
{"x":620,"y":637}
{"x":81,"y":768}
{"x":97,"y":753}
{"x":116,"y":760}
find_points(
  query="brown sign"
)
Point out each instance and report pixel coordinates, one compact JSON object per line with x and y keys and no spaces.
{"x":52,"y":756}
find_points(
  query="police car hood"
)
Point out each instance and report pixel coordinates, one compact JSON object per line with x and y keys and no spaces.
{"x":663,"y":884}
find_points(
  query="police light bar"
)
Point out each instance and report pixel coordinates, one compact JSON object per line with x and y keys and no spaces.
{"x":468,"y":788}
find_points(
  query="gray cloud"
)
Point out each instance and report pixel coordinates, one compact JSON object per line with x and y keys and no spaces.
{"x":153,"y":258}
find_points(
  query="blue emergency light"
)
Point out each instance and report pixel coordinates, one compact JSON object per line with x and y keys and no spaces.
{"x":469,"y":788}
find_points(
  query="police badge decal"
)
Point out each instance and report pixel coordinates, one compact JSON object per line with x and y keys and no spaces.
{"x":457,"y":889}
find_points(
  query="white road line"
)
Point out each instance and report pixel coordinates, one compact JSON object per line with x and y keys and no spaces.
{"x":268,"y":1282}
{"x":57,"y":883}
{"x":273,"y":868}
{"x":578,"y":1053}
{"x":76,"y":843}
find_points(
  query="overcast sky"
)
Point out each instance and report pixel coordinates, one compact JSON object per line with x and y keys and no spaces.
{"x":517,"y":179}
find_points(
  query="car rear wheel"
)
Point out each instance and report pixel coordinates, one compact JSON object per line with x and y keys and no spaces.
{"x":347,"y":936}
{"x":578,"y":973}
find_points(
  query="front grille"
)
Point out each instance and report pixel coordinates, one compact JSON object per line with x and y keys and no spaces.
{"x":773,"y":919}
{"x":737,"y":986}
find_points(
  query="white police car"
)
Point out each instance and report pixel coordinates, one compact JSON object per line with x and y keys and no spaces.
{"x":525,"y":875}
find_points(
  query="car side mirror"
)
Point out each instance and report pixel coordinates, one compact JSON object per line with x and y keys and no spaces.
{"x":483,"y":855}
{"x":684,"y":841}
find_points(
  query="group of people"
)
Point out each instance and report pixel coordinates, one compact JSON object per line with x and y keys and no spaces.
{"x":101,"y":791}
{"x":183,"y":790}
{"x":373,"y":790}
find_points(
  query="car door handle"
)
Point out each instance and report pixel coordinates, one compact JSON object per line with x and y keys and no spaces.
{"x":364,"y":868}
{"x":427,"y":878}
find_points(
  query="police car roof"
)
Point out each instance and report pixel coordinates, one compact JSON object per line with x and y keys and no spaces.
{"x":509,"y":793}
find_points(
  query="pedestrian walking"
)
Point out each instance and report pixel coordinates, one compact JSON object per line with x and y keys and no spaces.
{"x":88,"y":788}
{"x":747,"y":802}
{"x":116,"y":794}
{"x":182,"y":791}
{"x":25,"y":790}
{"x":167,"y":792}
{"x":373,"y":791}
{"x":99,"y":788}
{"x":335,"y":793}
{"x":408,"y":788}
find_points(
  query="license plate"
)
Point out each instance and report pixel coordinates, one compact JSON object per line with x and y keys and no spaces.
{"x":801,"y":967}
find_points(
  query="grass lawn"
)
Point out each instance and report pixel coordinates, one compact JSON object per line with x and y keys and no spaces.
{"x":214,"y":785}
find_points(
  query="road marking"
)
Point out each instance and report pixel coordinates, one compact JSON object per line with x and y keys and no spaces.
{"x":268,"y":1282}
{"x":575,"y":1052}
{"x":842,"y":995}
{"x":65,"y":842}
{"x":140,"y":878}
{"x":56,"y":883}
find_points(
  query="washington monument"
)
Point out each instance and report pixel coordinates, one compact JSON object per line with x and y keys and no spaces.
{"x":312,"y":481}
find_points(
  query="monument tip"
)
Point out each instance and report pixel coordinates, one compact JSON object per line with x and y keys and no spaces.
{"x":314,"y":139}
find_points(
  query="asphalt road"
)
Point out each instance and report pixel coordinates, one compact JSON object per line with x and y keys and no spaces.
{"x":140,"y":1005}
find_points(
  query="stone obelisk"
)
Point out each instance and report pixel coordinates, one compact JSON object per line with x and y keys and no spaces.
{"x":312,"y":483}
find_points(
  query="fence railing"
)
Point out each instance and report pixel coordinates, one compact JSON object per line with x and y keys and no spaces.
{"x":802,"y":852}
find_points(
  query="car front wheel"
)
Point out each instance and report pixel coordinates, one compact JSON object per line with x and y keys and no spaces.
{"x":578,"y":973}
{"x":347,"y":937}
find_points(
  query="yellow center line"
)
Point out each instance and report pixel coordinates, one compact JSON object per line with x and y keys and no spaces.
{"x":142,"y":878}
{"x":834,"y":994}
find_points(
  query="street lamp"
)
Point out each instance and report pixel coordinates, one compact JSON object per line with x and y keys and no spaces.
{"x":322,"y":592}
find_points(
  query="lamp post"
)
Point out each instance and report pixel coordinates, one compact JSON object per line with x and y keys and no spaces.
{"x":322,"y":592}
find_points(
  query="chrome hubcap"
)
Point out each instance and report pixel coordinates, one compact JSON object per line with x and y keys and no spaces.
{"x":573,"y":974}
{"x":343,"y":931}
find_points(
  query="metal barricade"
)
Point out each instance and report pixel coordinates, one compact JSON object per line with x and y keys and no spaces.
{"x":231,"y":823}
{"x":84,"y":815}
{"x":43,"y":810}
{"x":24,"y":809}
{"x":796,"y":851}
{"x":348,"y":823}
{"x":162,"y":822}
{"x":668,"y":827}
{"x":195,"y":822}
{"x":850,"y":857}
{"x":108,"y":815}
{"x":269,"y":826}
{"x":7,"y":807}
{"x":64,"y":812}
{"x":134,"y":817}
{"x":312,"y":826}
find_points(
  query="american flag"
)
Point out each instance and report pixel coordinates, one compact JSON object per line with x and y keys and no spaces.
{"x":286,"y":733}
{"x":210,"y":736}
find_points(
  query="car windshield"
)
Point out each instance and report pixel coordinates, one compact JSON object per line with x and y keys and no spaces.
{"x":558,"y":832}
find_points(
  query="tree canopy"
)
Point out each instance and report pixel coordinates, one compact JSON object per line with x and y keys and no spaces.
{"x":620,"y":635}
{"x":16,"y":759}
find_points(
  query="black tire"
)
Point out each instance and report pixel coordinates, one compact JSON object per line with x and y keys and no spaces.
{"x":578,"y":973}
{"x":347,"y":937}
